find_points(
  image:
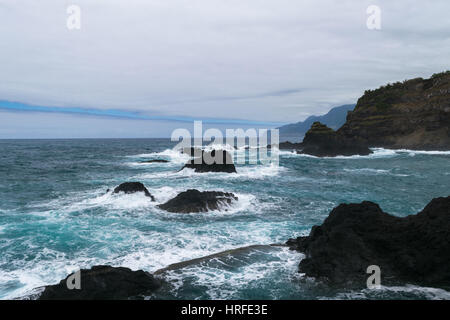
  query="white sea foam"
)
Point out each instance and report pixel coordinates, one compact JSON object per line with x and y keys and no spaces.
{"x":377,"y":153}
{"x":414,"y":152}
{"x":49,"y":267}
{"x":259,"y":172}
{"x":214,"y":146}
{"x":224,"y":284}
{"x":243,"y":172}
{"x":409,"y":290}
{"x":370,"y":171}
{"x":114,"y":201}
{"x":146,"y":164}
{"x":166,"y":193}
{"x":173,"y":155}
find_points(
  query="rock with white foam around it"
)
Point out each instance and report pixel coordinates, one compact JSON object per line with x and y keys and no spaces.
{"x":133,"y":187}
{"x":214,"y":161}
{"x":193,"y":200}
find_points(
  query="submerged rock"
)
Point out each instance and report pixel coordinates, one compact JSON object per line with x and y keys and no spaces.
{"x":104,"y":283}
{"x":133,"y":187}
{"x":242,"y":254}
{"x":321,"y":141}
{"x":193,"y":200}
{"x":214,"y":161}
{"x":289,"y":146}
{"x":155,"y":161}
{"x":414,"y":249}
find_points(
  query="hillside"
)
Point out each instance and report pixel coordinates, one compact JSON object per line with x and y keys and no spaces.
{"x":413,"y":114}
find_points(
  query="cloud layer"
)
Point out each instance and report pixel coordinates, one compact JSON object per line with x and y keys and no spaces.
{"x":254,"y":60}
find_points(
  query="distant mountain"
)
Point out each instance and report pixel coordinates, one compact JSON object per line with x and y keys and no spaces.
{"x":334,"y":119}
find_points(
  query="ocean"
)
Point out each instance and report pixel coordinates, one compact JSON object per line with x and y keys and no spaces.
{"x":56,"y":216}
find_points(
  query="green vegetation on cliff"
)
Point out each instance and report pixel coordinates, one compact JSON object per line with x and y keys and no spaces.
{"x":413,"y":114}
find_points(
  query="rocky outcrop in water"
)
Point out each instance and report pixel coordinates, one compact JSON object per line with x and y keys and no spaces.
{"x":413,"y":114}
{"x":155,"y":161}
{"x":104,"y":283}
{"x":321,"y":141}
{"x":214,"y":161}
{"x":288,"y":146}
{"x":414,"y":249}
{"x":133,"y":187}
{"x":193,"y":200}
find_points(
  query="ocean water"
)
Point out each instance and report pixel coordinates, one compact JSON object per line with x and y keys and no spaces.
{"x":56,"y":216}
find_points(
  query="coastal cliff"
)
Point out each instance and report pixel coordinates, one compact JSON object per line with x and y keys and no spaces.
{"x":414,"y":114}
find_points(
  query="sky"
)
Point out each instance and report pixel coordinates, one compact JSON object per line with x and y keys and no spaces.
{"x":140,"y":68}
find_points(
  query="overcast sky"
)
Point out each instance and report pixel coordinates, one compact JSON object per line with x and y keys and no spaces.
{"x":142,"y":68}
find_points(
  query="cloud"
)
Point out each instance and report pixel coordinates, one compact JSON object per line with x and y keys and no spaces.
{"x":122,"y":114}
{"x":254,"y":60}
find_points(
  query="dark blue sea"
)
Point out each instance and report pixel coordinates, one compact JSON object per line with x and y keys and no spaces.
{"x":56,"y":216}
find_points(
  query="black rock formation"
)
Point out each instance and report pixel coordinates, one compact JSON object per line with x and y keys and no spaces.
{"x":133,"y":187}
{"x":414,"y":249}
{"x":321,"y":141}
{"x":104,"y":283}
{"x":289,"y":146}
{"x":214,"y":161}
{"x":195,"y":201}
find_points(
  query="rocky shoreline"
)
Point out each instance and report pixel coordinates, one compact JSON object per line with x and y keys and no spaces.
{"x":413,"y":114}
{"x":414,"y":249}
{"x":411,"y":250}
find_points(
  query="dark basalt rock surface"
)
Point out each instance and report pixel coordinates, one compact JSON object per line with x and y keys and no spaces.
{"x":133,"y":187}
{"x":214,"y":161}
{"x":289,"y":146}
{"x":414,"y":249}
{"x":193,"y":200}
{"x":105,"y":283}
{"x":321,"y":141}
{"x":155,"y":161}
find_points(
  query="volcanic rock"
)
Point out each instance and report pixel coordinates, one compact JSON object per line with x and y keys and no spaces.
{"x":414,"y":249}
{"x":321,"y":141}
{"x":104,"y":283}
{"x":195,"y":201}
{"x":133,"y":187}
{"x":214,"y":161}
